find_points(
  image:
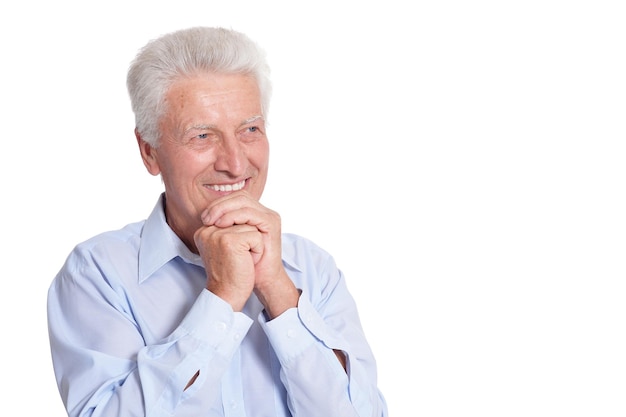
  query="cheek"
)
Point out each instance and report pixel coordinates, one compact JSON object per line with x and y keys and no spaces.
{"x":181,"y":166}
{"x":259,"y":156}
{"x":261,"y":163}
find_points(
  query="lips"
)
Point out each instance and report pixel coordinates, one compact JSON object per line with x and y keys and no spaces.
{"x":226,"y":187}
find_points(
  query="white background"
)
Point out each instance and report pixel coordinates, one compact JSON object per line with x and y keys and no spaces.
{"x":464,"y":161}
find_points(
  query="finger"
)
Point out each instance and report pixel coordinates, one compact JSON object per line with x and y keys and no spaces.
{"x":240,"y":211}
{"x":259,"y":217}
{"x":241,"y":239}
{"x":225,"y":204}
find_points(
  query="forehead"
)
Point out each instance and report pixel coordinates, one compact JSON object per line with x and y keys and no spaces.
{"x":211,"y":99}
{"x":212,"y":85}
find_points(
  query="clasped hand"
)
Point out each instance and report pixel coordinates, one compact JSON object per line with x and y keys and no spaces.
{"x":240,"y":245}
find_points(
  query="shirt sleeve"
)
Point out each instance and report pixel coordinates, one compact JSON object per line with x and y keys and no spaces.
{"x":102,"y":362}
{"x":304,"y":339}
{"x":210,"y":330}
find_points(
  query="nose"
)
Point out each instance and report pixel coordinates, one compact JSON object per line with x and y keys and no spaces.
{"x":230,"y":157}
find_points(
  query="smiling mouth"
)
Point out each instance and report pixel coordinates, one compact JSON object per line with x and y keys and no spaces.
{"x":227,"y":187}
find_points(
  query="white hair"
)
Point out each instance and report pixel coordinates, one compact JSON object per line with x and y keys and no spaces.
{"x":188,"y":52}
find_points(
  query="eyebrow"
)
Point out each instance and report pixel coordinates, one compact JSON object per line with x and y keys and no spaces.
{"x":209,"y":127}
{"x":252,"y":119}
{"x":200,"y":127}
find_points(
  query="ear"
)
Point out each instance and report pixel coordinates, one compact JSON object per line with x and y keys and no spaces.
{"x":148,"y":154}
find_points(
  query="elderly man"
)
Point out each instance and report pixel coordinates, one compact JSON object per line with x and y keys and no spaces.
{"x":207,"y":308}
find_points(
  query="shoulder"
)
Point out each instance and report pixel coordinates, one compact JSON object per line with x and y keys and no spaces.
{"x":127,"y":235}
{"x":113,"y":245}
{"x":306,"y":258}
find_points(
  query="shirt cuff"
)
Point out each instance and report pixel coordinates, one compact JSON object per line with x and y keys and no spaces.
{"x":295,"y":330}
{"x":213,"y":321}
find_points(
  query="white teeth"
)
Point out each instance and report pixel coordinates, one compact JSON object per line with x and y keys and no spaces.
{"x":228,"y":187}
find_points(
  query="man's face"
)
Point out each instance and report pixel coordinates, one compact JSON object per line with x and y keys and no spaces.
{"x":213,"y":142}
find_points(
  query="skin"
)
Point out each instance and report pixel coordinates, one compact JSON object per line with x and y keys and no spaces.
{"x":213,"y":135}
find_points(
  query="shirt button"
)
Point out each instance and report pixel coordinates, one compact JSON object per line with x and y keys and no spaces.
{"x":291,"y":333}
{"x":233,"y":405}
{"x":220,"y":325}
{"x":237,"y":336}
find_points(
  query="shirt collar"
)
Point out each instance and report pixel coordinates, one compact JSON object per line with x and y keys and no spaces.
{"x":159,"y":244}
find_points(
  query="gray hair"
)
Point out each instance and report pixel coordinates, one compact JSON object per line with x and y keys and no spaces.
{"x":187,"y":52}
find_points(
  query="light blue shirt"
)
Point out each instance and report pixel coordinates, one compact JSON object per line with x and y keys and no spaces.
{"x":130,"y":322}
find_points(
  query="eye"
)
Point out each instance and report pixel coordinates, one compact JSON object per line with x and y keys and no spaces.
{"x":200,"y":138}
{"x":252,"y":130}
{"x":251,"y":134}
